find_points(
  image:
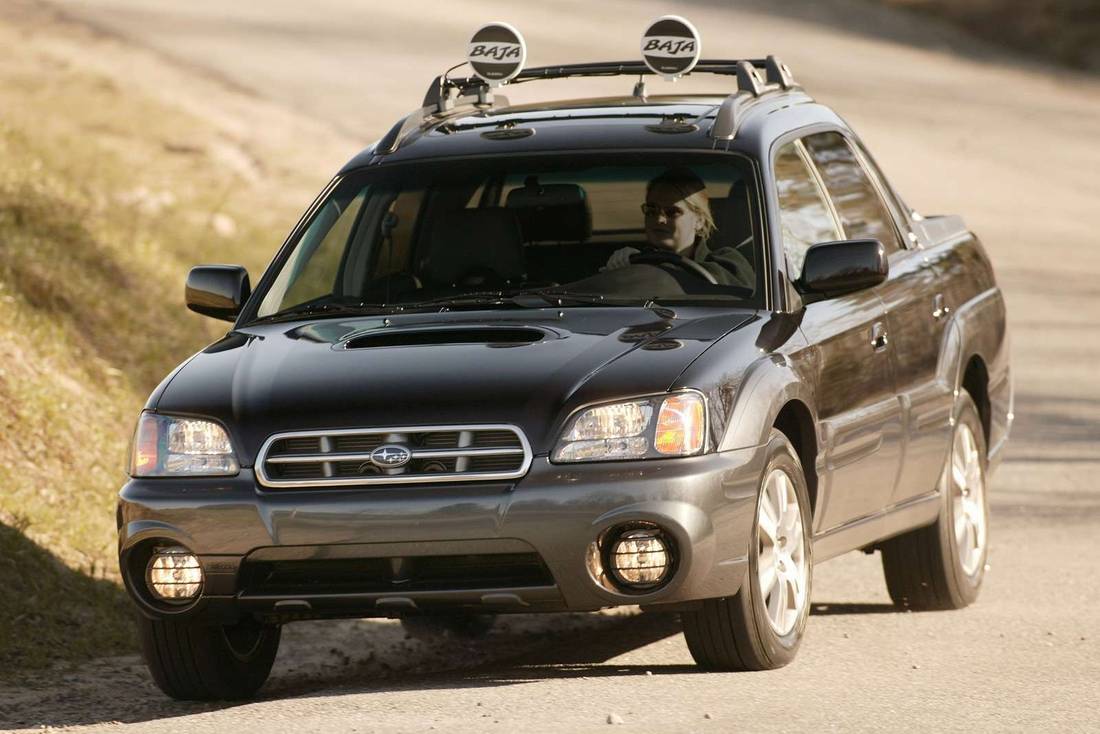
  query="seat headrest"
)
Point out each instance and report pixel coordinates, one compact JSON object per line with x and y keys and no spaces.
{"x":732,"y":217}
{"x":551,"y":212}
{"x":473,"y":246}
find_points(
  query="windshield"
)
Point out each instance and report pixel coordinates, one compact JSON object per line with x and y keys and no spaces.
{"x":615,"y":229}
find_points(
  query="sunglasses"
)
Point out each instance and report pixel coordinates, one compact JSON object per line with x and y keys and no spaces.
{"x":670,"y":212}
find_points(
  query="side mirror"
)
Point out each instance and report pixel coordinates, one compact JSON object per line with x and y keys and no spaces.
{"x":218,"y":291}
{"x":836,"y":268}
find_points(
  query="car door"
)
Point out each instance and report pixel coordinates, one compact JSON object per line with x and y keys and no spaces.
{"x":915,"y":309}
{"x":855,"y":398}
{"x":918,"y":306}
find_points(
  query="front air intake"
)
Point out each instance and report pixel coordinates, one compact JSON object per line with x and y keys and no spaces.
{"x":437,"y":337}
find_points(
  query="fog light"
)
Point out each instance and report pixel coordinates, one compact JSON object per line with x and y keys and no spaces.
{"x":174,"y":574}
{"x":640,"y":558}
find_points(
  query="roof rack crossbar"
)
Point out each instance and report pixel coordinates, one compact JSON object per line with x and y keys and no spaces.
{"x":728,"y":67}
{"x":447,"y":95}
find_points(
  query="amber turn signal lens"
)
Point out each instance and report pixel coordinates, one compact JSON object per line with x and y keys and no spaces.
{"x":680,"y":425}
{"x":146,"y":446}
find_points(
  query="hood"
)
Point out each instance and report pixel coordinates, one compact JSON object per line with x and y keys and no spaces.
{"x":530,"y":368}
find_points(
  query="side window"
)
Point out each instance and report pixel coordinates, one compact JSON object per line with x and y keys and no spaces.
{"x":862,"y":211}
{"x":898,"y":207}
{"x":804,"y":214}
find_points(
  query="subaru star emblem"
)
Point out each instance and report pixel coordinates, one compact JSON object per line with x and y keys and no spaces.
{"x":389,"y":457}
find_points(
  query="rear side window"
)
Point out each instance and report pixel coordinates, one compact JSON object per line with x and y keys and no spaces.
{"x":804,"y":212}
{"x":862,"y":212}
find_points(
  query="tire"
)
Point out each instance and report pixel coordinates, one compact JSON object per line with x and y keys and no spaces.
{"x":738,"y":632}
{"x":191,"y":661}
{"x":929,"y":568}
{"x":461,"y":626}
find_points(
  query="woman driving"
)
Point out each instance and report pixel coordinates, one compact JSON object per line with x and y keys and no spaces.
{"x":678,"y":220}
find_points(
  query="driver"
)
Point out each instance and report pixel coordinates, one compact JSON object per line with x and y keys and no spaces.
{"x":678,"y":219}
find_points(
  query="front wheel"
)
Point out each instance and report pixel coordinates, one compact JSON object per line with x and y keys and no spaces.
{"x":942,"y":566}
{"x":191,"y":661}
{"x":761,"y":627}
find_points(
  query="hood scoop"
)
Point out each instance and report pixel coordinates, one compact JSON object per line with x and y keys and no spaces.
{"x":488,"y":335}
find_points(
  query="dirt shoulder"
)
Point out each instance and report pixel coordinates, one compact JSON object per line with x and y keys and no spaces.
{"x":120,"y":171}
{"x":1065,"y":31}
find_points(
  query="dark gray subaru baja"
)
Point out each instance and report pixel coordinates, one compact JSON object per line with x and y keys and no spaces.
{"x":474,"y":381}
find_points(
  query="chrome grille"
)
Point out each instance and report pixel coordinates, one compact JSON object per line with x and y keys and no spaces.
{"x":436,"y":454}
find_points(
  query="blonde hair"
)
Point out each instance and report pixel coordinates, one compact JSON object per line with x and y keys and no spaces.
{"x":693,"y":192}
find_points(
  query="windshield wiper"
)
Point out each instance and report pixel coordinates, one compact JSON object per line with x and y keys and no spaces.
{"x":535,"y":298}
{"x":479,"y":298}
{"x":325,"y":309}
{"x":563,"y":298}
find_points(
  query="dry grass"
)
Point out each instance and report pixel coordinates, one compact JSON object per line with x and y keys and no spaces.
{"x":106,"y":199}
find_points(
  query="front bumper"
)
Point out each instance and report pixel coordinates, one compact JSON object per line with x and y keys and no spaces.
{"x":706,"y":504}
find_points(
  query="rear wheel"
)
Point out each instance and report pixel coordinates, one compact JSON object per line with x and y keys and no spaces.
{"x":761,"y":627}
{"x":941,"y":566}
{"x":191,"y":661}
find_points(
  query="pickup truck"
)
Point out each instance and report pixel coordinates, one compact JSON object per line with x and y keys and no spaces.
{"x":658,"y":350}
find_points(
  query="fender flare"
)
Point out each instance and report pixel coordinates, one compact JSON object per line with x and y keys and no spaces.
{"x":770,"y":383}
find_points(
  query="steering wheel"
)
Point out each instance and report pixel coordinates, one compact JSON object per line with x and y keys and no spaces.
{"x":667,"y":257}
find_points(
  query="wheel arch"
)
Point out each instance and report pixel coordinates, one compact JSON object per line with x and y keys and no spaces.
{"x":774,"y":395}
{"x":796,"y":422}
{"x":975,"y":357}
{"x":975,"y":380}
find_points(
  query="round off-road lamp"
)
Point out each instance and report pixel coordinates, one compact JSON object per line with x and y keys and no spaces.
{"x":174,"y":575}
{"x":640,"y":559}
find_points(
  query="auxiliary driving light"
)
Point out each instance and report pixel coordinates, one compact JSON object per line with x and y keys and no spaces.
{"x":174,"y":574}
{"x":640,"y":558}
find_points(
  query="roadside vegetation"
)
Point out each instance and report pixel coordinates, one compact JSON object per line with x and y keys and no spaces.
{"x":107,"y":197}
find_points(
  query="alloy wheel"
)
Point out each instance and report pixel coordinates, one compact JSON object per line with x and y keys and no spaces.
{"x":967,"y":488}
{"x":782,"y":568}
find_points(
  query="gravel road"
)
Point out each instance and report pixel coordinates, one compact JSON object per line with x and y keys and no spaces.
{"x":960,"y":128}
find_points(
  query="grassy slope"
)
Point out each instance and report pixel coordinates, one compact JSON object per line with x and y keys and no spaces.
{"x":106,"y":198}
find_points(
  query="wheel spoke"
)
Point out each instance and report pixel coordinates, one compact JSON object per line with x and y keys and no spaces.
{"x":958,"y":470}
{"x":971,"y":540}
{"x":780,"y":603}
{"x":781,"y":497}
{"x":768,"y":578}
{"x":797,"y":589}
{"x":794,"y":537}
{"x":973,"y":476}
{"x":768,"y":507}
{"x":768,"y":527}
{"x":971,"y":448}
{"x":772,"y":600}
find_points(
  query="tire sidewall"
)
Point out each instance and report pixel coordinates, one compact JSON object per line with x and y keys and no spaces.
{"x":779,"y":650}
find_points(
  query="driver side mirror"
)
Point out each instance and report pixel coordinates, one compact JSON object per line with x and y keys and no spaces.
{"x":217,"y":291}
{"x":836,"y":268}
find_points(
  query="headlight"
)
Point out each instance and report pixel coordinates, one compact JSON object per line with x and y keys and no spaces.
{"x":627,"y":430}
{"x":165,"y":446}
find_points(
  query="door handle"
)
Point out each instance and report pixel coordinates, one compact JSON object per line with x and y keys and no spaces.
{"x":939,"y":307}
{"x":879,"y":338}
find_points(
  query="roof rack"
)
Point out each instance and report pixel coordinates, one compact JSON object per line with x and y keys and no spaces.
{"x":728,"y":67}
{"x":447,"y":96}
